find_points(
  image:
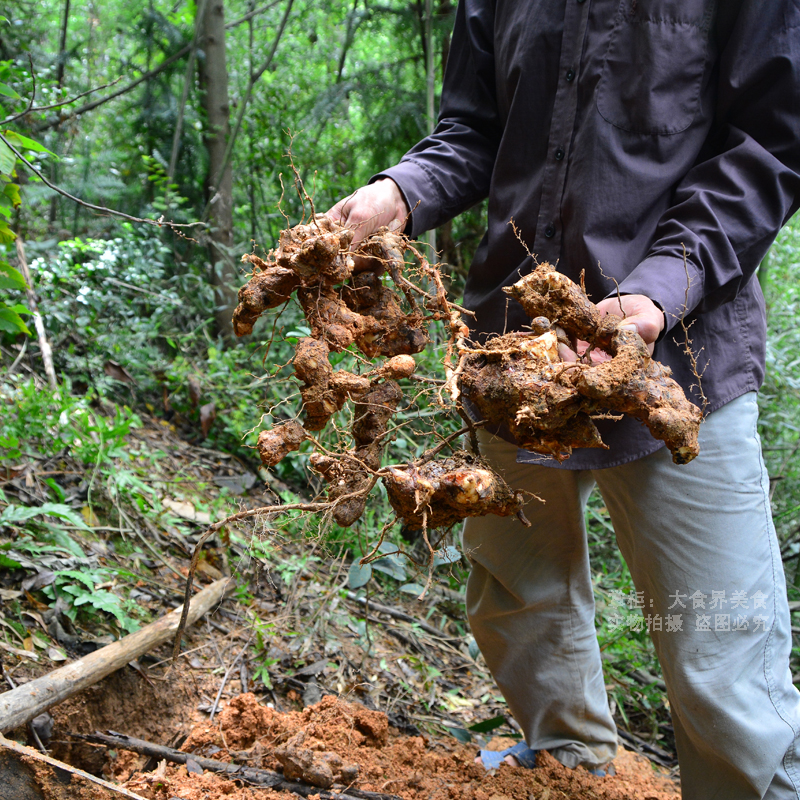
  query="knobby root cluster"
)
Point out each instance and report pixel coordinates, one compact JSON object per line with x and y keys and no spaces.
{"x":385,"y":316}
{"x":382,"y":309}
{"x":518,"y":380}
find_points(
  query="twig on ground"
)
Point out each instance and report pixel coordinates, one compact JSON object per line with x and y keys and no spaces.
{"x":251,"y":775}
{"x":100,"y":789}
{"x":225,"y":679}
{"x":654,"y":753}
{"x":398,"y":614}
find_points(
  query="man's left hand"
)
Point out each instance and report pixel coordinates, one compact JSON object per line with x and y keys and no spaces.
{"x":639,"y":312}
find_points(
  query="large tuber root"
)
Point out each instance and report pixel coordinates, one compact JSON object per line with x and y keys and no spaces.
{"x":269,"y":287}
{"x":441,"y":493}
{"x":351,"y":474}
{"x":275,"y":444}
{"x":633,"y":383}
{"x":324,"y":391}
{"x":519,"y":381}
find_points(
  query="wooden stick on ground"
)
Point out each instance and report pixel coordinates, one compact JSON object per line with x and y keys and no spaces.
{"x":251,"y":775}
{"x":22,"y":781}
{"x":44,"y":345}
{"x":399,"y":614}
{"x":22,"y":704}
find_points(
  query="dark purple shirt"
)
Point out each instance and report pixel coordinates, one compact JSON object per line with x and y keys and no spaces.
{"x":616,"y":132}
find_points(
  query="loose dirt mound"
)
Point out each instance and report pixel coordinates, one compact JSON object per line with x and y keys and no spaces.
{"x":349,"y":744}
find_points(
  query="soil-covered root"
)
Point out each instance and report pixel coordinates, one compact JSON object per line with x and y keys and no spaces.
{"x":398,"y":333}
{"x":275,"y":444}
{"x":351,"y":472}
{"x":445,"y":491}
{"x":397,"y":367}
{"x":320,"y":249}
{"x":637,"y":385}
{"x":330,"y":319}
{"x":519,"y":382}
{"x":270,"y":287}
{"x":324,"y":391}
{"x":548,"y":293}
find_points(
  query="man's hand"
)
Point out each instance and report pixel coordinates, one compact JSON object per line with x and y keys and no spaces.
{"x":640,"y":314}
{"x":371,"y":207}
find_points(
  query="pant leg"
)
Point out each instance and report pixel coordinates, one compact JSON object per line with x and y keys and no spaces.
{"x":531,"y":609}
{"x":688,"y":532}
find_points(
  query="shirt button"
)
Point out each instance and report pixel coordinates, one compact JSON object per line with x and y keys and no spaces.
{"x":559,"y":154}
{"x":549,"y":231}
{"x":581,"y":1}
{"x":570,"y":75}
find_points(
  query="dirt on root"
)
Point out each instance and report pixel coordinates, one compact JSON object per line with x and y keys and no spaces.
{"x":343,"y":734}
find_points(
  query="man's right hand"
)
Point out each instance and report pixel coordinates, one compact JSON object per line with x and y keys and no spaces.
{"x":371,"y":207}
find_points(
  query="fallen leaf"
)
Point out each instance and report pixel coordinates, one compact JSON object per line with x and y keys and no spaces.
{"x":56,"y":654}
{"x":44,"y":577}
{"x":235,"y":484}
{"x":193,"y":767}
{"x":118,"y":372}
{"x":8,"y":473}
{"x":194,"y":390}
{"x":184,"y":509}
{"x":210,"y":570}
{"x":90,"y":517}
{"x":208,"y":413}
{"x":17,"y":652}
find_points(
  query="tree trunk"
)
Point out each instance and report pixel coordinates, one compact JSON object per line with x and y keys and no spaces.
{"x":445,"y":242}
{"x":219,"y":181}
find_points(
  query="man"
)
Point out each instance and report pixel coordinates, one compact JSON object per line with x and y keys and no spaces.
{"x":655,"y":143}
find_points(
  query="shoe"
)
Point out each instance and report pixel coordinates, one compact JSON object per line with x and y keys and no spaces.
{"x":606,"y":771}
{"x":526,"y":757}
{"x":492,"y":759}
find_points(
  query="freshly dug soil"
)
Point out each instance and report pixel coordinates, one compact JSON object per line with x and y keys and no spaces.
{"x":339,"y":736}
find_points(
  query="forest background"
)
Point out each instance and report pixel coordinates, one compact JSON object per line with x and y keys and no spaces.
{"x":185,"y":111}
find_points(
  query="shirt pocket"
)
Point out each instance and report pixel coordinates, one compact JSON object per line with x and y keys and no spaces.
{"x":653,"y":70}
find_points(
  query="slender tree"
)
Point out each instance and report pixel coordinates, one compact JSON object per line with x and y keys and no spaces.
{"x":219,"y":180}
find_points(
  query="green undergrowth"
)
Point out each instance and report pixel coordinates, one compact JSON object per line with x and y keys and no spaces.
{"x":81,"y":486}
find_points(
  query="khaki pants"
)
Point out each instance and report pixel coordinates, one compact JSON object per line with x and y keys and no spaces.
{"x":700,"y":544}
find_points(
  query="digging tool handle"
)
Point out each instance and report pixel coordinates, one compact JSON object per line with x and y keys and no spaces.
{"x":21,"y":705}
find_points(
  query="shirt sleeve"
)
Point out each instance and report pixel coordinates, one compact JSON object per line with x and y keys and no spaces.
{"x":450,"y":170}
{"x":729,"y":208}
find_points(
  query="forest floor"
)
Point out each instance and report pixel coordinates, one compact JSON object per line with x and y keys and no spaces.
{"x":291,"y":659}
